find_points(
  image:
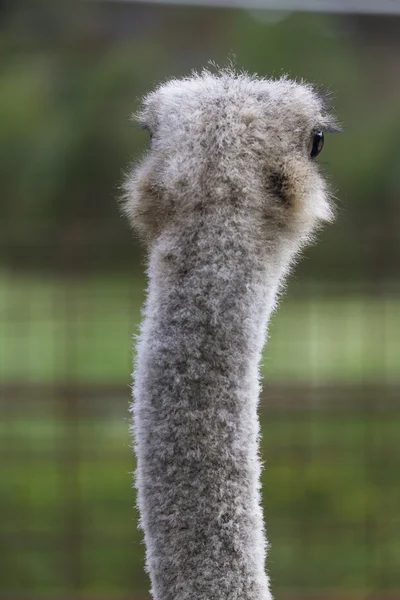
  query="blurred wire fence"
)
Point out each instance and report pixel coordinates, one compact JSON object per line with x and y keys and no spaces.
{"x":72,"y":283}
{"x":330,"y":421}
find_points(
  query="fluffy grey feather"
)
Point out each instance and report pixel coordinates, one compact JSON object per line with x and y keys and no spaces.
{"x":224,"y":199}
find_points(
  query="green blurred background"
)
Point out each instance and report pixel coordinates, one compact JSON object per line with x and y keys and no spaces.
{"x":72,"y":282}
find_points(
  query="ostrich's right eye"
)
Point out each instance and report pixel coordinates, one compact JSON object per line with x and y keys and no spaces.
{"x":316,"y":143}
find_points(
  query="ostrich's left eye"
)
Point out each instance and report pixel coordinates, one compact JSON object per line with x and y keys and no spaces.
{"x":147,"y":128}
{"x":316,"y":143}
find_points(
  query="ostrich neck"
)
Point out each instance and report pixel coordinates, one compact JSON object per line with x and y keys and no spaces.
{"x":210,"y":294}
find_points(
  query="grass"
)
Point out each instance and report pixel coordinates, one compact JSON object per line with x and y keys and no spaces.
{"x":60,"y":330}
{"x":330,"y":492}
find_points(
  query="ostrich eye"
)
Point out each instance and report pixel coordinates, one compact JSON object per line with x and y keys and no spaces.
{"x":316,"y":144}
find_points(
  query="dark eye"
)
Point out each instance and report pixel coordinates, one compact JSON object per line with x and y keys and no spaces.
{"x":316,"y":144}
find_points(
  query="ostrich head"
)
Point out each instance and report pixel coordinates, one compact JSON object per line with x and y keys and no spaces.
{"x":235,"y":144}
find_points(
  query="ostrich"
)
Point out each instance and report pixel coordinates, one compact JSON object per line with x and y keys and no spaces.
{"x":225,"y":197}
